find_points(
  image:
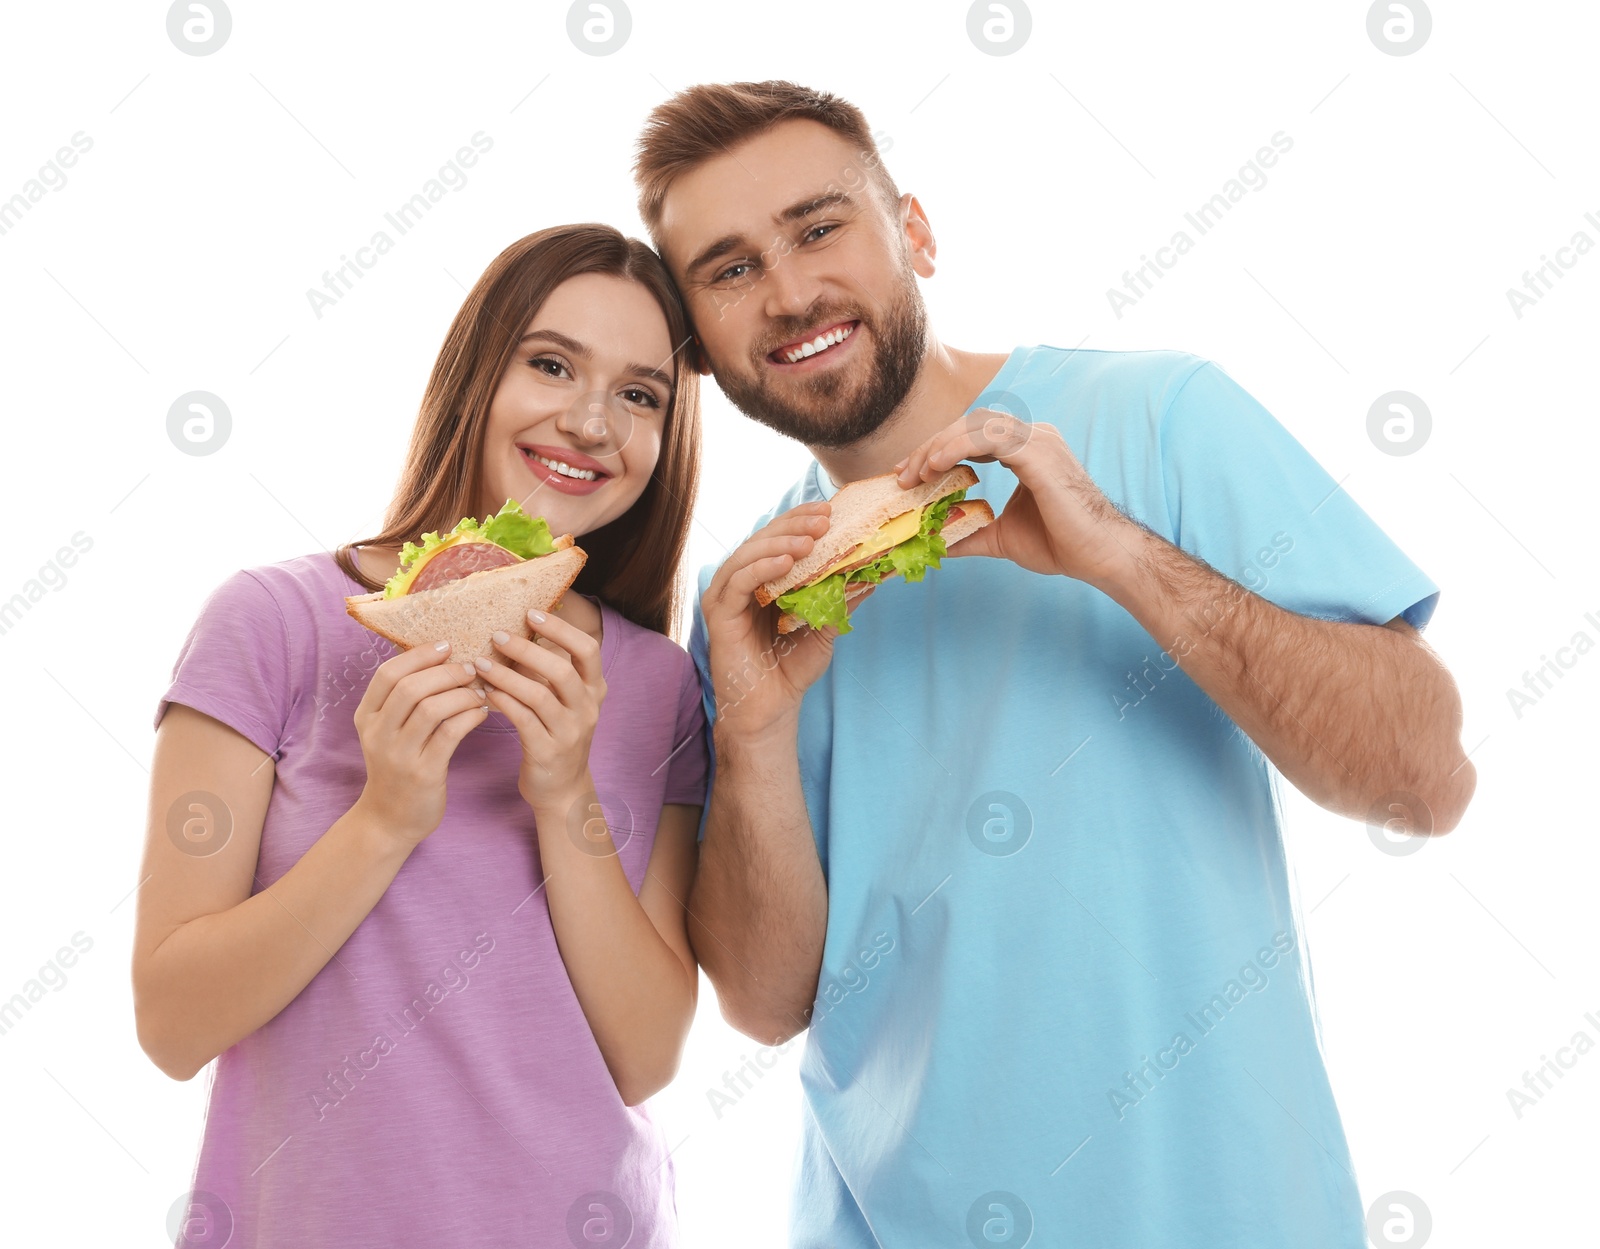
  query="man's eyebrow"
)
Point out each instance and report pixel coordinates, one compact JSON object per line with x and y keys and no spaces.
{"x":795,"y":212}
{"x":828,"y":199}
{"x":578,"y":349}
{"x":724,"y":245}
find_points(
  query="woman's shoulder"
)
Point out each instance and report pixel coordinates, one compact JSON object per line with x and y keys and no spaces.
{"x":291,"y":595}
{"x":310,"y":577}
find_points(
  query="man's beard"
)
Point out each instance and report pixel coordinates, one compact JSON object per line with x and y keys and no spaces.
{"x":823,"y":409}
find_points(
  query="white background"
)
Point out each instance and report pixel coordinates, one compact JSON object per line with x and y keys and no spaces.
{"x":218,"y":189}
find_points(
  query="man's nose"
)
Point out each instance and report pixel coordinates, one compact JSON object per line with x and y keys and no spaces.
{"x":785,"y":289}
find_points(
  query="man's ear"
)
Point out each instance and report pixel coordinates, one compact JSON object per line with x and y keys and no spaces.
{"x":698,"y":360}
{"x":919,"y":235}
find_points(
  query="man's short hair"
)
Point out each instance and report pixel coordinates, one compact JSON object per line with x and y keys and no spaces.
{"x":704,"y":121}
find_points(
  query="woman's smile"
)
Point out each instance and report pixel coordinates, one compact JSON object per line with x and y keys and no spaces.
{"x":563,"y":469}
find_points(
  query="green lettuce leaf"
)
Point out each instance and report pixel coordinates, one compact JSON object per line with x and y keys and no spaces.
{"x":510,"y":527}
{"x":822,"y":603}
{"x":518,"y":532}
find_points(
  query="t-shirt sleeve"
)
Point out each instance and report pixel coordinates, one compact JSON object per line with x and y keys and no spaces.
{"x":1246,"y":497}
{"x":687,"y":773}
{"x":700,"y":653}
{"x":234,"y":665}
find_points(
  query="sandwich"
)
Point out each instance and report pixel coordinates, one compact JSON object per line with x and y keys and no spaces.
{"x":470,"y":583}
{"x":876,"y":531}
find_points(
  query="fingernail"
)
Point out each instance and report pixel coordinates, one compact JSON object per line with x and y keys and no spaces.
{"x":501,"y":637}
{"x":535,"y":615}
{"x":902,"y":464}
{"x":483,"y":664}
{"x":441,"y":647}
{"x":470,"y":670}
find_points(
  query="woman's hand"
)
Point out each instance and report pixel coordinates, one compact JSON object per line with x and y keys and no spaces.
{"x":411,"y":719}
{"x":553,"y":698}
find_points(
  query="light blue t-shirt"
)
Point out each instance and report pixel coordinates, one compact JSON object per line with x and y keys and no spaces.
{"x":1064,"y":998}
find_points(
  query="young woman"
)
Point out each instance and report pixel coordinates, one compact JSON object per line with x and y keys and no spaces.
{"x":436,"y":1007}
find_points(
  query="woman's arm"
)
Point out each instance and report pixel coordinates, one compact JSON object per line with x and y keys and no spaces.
{"x":629,"y":958}
{"x":211,"y":961}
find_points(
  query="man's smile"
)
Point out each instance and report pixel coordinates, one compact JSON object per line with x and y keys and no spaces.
{"x":826,"y":342}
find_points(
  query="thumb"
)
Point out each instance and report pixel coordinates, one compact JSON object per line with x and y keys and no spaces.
{"x":980,"y":542}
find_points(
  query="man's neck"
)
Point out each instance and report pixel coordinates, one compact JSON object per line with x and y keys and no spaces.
{"x":946,"y":384}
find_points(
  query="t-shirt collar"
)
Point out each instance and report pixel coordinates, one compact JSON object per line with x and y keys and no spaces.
{"x":826,"y":488}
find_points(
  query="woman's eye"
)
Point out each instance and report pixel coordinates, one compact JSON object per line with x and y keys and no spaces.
{"x":545,"y":364}
{"x":637,"y":394}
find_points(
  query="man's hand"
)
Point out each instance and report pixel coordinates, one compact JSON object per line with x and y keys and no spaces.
{"x":1348,"y":712}
{"x":758,"y":674}
{"x":1057,"y":521}
{"x":758,"y":912}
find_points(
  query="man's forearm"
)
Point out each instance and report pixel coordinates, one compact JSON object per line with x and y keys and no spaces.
{"x":758,"y":915}
{"x":1349,"y":713}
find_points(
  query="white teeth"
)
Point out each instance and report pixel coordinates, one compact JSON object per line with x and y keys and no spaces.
{"x":821,"y":343}
{"x":566,"y":470}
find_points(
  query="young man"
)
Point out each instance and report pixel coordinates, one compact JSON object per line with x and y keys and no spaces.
{"x":1011,"y":849}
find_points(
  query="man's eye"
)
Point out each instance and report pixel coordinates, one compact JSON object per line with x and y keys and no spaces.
{"x":734,"y":273}
{"x":816,"y":232}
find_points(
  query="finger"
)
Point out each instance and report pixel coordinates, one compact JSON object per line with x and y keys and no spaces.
{"x":816,"y":507}
{"x":984,"y":541}
{"x":760,"y":561}
{"x":541,"y":699}
{"x":530,"y":725}
{"x":546,"y":669}
{"x":790,"y":534}
{"x":942,"y":453}
{"x":411,"y":690}
{"x":999,"y":435}
{"x":391,"y":671}
{"x":581,"y":646}
{"x":447,"y":736}
{"x":432,"y":712}
{"x":918,"y":466}
{"x":740,"y":595}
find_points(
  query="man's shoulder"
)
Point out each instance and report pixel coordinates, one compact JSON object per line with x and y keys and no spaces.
{"x":1047,"y":369}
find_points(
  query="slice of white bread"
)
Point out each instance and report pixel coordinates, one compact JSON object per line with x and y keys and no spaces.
{"x":469,"y":611}
{"x":975,"y":514}
{"x":859,"y":508}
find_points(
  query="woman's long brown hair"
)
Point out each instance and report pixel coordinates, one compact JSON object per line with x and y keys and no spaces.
{"x":634,"y":561}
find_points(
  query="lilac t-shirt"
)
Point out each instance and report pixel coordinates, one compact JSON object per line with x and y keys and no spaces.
{"x":436,"y":1083}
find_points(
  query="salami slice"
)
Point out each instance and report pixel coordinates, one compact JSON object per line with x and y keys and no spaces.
{"x":461,"y":560}
{"x":954,"y":514}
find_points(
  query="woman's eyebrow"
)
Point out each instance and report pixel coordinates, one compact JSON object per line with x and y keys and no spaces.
{"x":653,"y":373}
{"x":560,"y":340}
{"x":583,"y":352}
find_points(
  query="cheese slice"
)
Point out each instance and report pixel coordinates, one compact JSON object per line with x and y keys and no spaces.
{"x":889,"y":534}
